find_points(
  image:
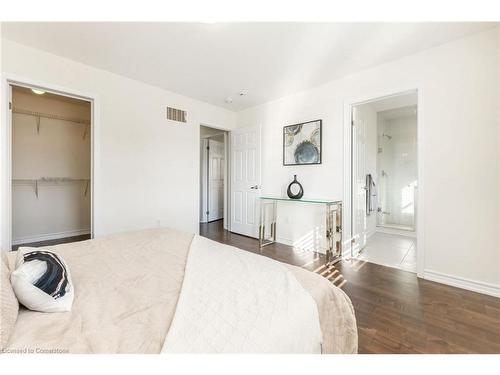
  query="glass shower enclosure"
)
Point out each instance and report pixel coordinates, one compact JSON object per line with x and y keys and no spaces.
{"x":397,"y":168}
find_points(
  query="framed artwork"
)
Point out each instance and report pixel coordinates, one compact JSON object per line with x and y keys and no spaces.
{"x":302,"y":143}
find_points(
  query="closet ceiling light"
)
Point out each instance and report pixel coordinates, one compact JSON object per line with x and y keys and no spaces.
{"x":38,"y":92}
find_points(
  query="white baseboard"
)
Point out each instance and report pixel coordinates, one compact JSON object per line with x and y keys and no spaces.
{"x":460,"y":282}
{"x":284,"y":241}
{"x":50,"y":236}
{"x":289,"y":242}
{"x":346,"y":249}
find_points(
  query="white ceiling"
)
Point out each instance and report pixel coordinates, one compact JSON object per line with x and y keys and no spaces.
{"x":210,"y":62}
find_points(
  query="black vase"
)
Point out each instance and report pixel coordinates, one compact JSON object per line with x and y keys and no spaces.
{"x":289,"y":191}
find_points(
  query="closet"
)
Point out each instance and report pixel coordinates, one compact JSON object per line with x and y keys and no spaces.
{"x":51,"y":168}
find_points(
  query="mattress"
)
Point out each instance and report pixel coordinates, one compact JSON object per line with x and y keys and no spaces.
{"x":126,"y":292}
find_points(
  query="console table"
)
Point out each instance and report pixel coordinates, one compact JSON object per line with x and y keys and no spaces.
{"x":333,"y":223}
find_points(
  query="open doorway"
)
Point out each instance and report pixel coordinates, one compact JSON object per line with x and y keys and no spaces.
{"x":385,"y":180}
{"x":51,"y":167}
{"x":213,"y":175}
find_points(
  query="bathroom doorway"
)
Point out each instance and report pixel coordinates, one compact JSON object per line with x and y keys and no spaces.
{"x":385,"y":180}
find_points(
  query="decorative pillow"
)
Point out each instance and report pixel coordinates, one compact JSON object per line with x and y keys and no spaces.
{"x":8,"y":303}
{"x":42,"y":281}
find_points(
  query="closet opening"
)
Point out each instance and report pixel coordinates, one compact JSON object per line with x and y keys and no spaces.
{"x":213,"y":176}
{"x":51,"y":167}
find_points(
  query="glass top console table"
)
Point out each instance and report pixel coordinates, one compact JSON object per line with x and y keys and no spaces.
{"x":333,"y":223}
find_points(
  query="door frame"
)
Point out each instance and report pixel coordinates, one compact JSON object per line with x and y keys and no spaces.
{"x":6,"y":151}
{"x":227,"y":180}
{"x":203,"y":180}
{"x":349,"y":175}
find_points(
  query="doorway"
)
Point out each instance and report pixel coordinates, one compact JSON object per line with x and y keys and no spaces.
{"x":385,"y":180}
{"x":245,"y":190}
{"x":213,"y":174}
{"x":50,"y":167}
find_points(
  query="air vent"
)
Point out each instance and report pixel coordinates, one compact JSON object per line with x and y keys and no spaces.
{"x":175,"y":114}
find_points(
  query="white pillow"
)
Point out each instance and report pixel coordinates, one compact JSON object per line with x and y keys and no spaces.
{"x":41,"y":281}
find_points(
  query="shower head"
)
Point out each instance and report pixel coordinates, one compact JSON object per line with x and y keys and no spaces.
{"x":389,"y":137}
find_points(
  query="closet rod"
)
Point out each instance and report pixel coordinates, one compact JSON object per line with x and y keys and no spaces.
{"x":50,"y":116}
{"x":36,"y":181}
{"x":49,"y":179}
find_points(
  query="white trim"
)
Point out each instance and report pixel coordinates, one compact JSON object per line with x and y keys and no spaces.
{"x":50,"y":236}
{"x":346,"y":224}
{"x":463,"y":283}
{"x":6,"y":155}
{"x":226,"y":222}
{"x":347,"y":193}
{"x":419,"y":224}
{"x":346,"y":250}
{"x":5,"y":165}
{"x":285,"y":241}
{"x":289,"y":242}
{"x":203,"y":180}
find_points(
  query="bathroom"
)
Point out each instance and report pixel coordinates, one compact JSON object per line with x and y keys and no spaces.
{"x":390,"y":185}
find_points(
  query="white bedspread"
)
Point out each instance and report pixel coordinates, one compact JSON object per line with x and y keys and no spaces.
{"x":235,"y":301}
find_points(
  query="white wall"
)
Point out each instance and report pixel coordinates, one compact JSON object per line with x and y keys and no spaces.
{"x":57,"y":150}
{"x":147,"y":169}
{"x":459,"y":111}
{"x":139,"y":159}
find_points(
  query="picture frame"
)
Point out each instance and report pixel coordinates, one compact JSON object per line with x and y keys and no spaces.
{"x":302,"y":143}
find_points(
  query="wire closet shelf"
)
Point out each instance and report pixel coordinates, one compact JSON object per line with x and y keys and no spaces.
{"x":39,"y":115}
{"x":36,"y":182}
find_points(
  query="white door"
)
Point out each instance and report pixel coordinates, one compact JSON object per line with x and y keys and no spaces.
{"x":215,"y":180}
{"x":359,"y":221}
{"x":245,"y":180}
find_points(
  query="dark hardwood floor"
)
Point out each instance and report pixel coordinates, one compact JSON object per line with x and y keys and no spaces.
{"x":396,"y":312}
{"x":58,"y":241}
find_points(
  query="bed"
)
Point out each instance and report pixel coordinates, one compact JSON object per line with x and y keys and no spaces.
{"x":161,"y":290}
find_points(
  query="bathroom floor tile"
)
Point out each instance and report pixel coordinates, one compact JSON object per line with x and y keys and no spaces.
{"x":391,"y":250}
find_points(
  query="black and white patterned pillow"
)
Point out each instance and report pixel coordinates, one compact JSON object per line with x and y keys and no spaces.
{"x":41,"y":281}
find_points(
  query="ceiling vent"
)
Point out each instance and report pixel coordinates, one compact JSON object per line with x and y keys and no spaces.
{"x":175,"y":114}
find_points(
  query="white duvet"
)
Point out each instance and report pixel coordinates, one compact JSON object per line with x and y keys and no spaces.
{"x":233,"y":301}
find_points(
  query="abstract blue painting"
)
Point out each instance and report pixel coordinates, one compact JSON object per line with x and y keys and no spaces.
{"x":302,"y":143}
